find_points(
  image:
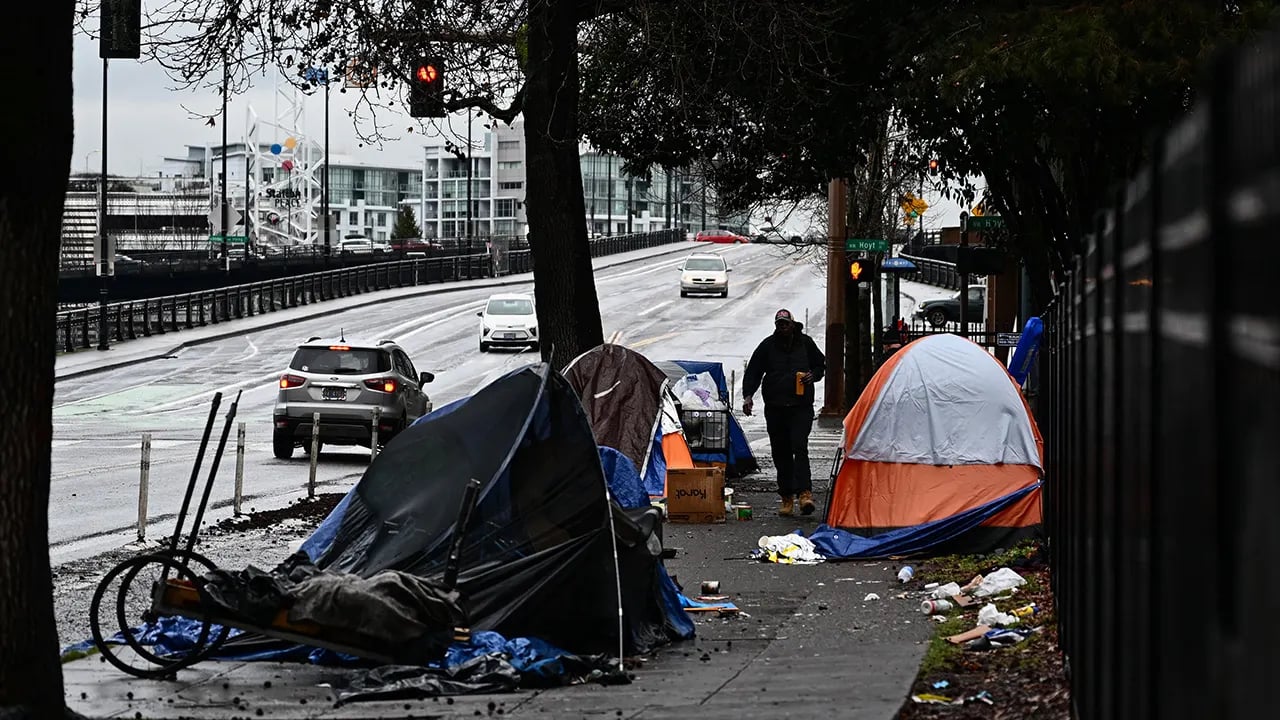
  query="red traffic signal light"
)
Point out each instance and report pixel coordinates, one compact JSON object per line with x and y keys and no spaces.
{"x":426,"y":89}
{"x":933,"y":166}
{"x":426,"y":73}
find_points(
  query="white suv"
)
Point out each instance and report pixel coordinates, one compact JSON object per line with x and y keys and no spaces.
{"x":704,"y":273}
{"x":510,"y":320}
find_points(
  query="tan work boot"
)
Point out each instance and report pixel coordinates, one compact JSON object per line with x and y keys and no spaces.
{"x":806,"y":503}
{"x":788,"y":507}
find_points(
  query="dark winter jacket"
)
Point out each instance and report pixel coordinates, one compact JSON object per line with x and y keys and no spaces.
{"x":773,"y":367}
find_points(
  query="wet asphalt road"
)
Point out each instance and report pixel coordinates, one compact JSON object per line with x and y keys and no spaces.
{"x":99,"y":419}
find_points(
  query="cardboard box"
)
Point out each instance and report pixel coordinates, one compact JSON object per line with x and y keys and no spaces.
{"x":695,"y":495}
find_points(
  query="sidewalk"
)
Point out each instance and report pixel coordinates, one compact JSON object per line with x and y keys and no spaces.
{"x":129,"y":352}
{"x":808,"y":646}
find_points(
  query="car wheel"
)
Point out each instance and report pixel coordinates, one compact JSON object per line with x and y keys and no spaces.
{"x":282,"y":444}
{"x":725,"y":294}
{"x":937,"y":318}
{"x":484,"y":347}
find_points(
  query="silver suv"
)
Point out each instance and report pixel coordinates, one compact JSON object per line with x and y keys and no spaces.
{"x":346,"y":382}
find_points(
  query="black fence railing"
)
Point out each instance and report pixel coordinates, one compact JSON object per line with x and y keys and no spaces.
{"x":933,"y":272}
{"x":79,"y":329}
{"x":1161,"y":406}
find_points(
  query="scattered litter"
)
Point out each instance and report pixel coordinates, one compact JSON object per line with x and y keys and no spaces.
{"x":973,"y":584}
{"x":930,"y":586}
{"x":1026,"y":610}
{"x":999,"y":581}
{"x":931,"y":699}
{"x":822,"y":584}
{"x":906,"y":573}
{"x":710,"y":587}
{"x":1000,"y":638}
{"x":787,"y":549}
{"x":941,"y":684}
{"x":847,"y":580}
{"x":944,"y":591}
{"x":938,"y":618}
{"x":712,"y":598}
{"x":930,"y":607}
{"x":968,"y":635}
{"x":991,"y":615}
{"x":870,"y":597}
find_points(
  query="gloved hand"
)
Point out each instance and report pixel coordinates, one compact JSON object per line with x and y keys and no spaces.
{"x":747,"y":406}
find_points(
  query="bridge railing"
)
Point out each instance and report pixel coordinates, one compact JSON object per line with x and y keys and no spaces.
{"x":929,"y":271}
{"x":79,"y":328}
{"x":1160,"y":404}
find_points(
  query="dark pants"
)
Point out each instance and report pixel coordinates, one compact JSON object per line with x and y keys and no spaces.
{"x":789,"y":427}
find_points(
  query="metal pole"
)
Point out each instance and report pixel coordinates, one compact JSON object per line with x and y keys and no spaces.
{"x":897,"y":297}
{"x":373,"y":438}
{"x":962,"y":260}
{"x":103,"y":244}
{"x":144,"y":481}
{"x":324,"y":176}
{"x":609,"y":213}
{"x":226,"y":259}
{"x":315,"y":454}
{"x":239,"y":497}
{"x":630,"y":207}
{"x":468,"y":181}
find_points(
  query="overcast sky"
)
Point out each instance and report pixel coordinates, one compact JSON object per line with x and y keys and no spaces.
{"x":147,"y":121}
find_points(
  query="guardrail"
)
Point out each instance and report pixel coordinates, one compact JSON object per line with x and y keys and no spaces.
{"x":938,"y":273}
{"x":1160,"y":403}
{"x":79,"y":329}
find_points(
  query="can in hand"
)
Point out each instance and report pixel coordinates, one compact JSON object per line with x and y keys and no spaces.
{"x":799,"y":383}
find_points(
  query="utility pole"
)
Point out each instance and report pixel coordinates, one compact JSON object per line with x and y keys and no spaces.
{"x":837,"y":280}
{"x":468,"y":181}
{"x":962,"y":263}
{"x":609,"y":175}
{"x":104,"y":246}
{"x":226,"y":258}
{"x":324,"y":175}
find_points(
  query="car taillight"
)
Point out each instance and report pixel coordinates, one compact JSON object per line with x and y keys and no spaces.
{"x":386,"y":385}
{"x":291,"y":381}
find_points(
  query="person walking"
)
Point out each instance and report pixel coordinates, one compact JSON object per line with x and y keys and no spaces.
{"x":784,"y":368}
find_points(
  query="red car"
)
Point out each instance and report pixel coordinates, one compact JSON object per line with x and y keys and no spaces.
{"x":720,"y":236}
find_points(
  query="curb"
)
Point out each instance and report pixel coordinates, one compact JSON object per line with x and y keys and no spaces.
{"x":267,"y":326}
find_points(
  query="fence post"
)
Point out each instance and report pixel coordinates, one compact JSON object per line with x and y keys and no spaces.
{"x":315,"y":454}
{"x":373,"y":442}
{"x":239,"y":497}
{"x":144,"y":479}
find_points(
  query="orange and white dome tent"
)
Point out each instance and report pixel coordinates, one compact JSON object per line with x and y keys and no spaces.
{"x":941,"y":454}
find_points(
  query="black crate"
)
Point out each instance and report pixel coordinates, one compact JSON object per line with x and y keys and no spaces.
{"x":706,"y":430}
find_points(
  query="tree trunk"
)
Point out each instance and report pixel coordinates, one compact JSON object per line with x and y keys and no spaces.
{"x":36,"y":46}
{"x":564,"y":280}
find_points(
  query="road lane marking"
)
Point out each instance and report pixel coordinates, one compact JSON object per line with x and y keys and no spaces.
{"x":655,"y":307}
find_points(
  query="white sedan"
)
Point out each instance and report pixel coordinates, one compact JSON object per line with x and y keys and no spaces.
{"x":509,"y":320}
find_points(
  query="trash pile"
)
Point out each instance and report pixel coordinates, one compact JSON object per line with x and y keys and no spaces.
{"x":1001,"y":620}
{"x":698,"y":391}
{"x":793,"y":549}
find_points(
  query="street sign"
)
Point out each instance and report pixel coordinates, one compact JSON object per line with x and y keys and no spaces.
{"x":866,"y":245}
{"x":1008,"y":339}
{"x":986,"y":222}
{"x":897,"y":264}
{"x":231,"y":239}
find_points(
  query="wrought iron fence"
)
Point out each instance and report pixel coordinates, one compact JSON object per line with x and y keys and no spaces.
{"x":1161,"y":411}
{"x":79,"y":329}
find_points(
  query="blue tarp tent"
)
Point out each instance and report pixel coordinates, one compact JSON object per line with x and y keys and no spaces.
{"x":739,"y":460}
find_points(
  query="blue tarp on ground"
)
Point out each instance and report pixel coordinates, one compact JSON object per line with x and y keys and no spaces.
{"x":837,"y":544}
{"x":739,"y":459}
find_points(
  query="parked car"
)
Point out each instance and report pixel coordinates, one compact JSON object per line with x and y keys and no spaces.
{"x":413,"y":247}
{"x":720,"y":236}
{"x":704,"y":273}
{"x":509,"y":320}
{"x":346,"y":382}
{"x":356,"y":246}
{"x":940,"y":312}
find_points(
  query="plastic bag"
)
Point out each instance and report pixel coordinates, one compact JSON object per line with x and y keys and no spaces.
{"x":999,"y":581}
{"x":698,"y":392}
{"x":990,"y":615}
{"x":945,"y":591}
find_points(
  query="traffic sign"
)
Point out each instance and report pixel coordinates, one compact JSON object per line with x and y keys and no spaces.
{"x":897,"y":264}
{"x":866,"y":245}
{"x":986,"y":222}
{"x":1008,"y":339}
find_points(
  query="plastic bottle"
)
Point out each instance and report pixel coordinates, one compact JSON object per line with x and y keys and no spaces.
{"x":1026,"y":611}
{"x":929,"y":607}
{"x":905,"y":574}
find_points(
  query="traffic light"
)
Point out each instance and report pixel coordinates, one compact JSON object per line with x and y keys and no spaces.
{"x":933,"y":166}
{"x":426,"y":89}
{"x":862,"y":270}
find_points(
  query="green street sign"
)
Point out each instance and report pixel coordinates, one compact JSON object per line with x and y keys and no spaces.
{"x":986,"y":222}
{"x":217,"y":239}
{"x":866,"y":245}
